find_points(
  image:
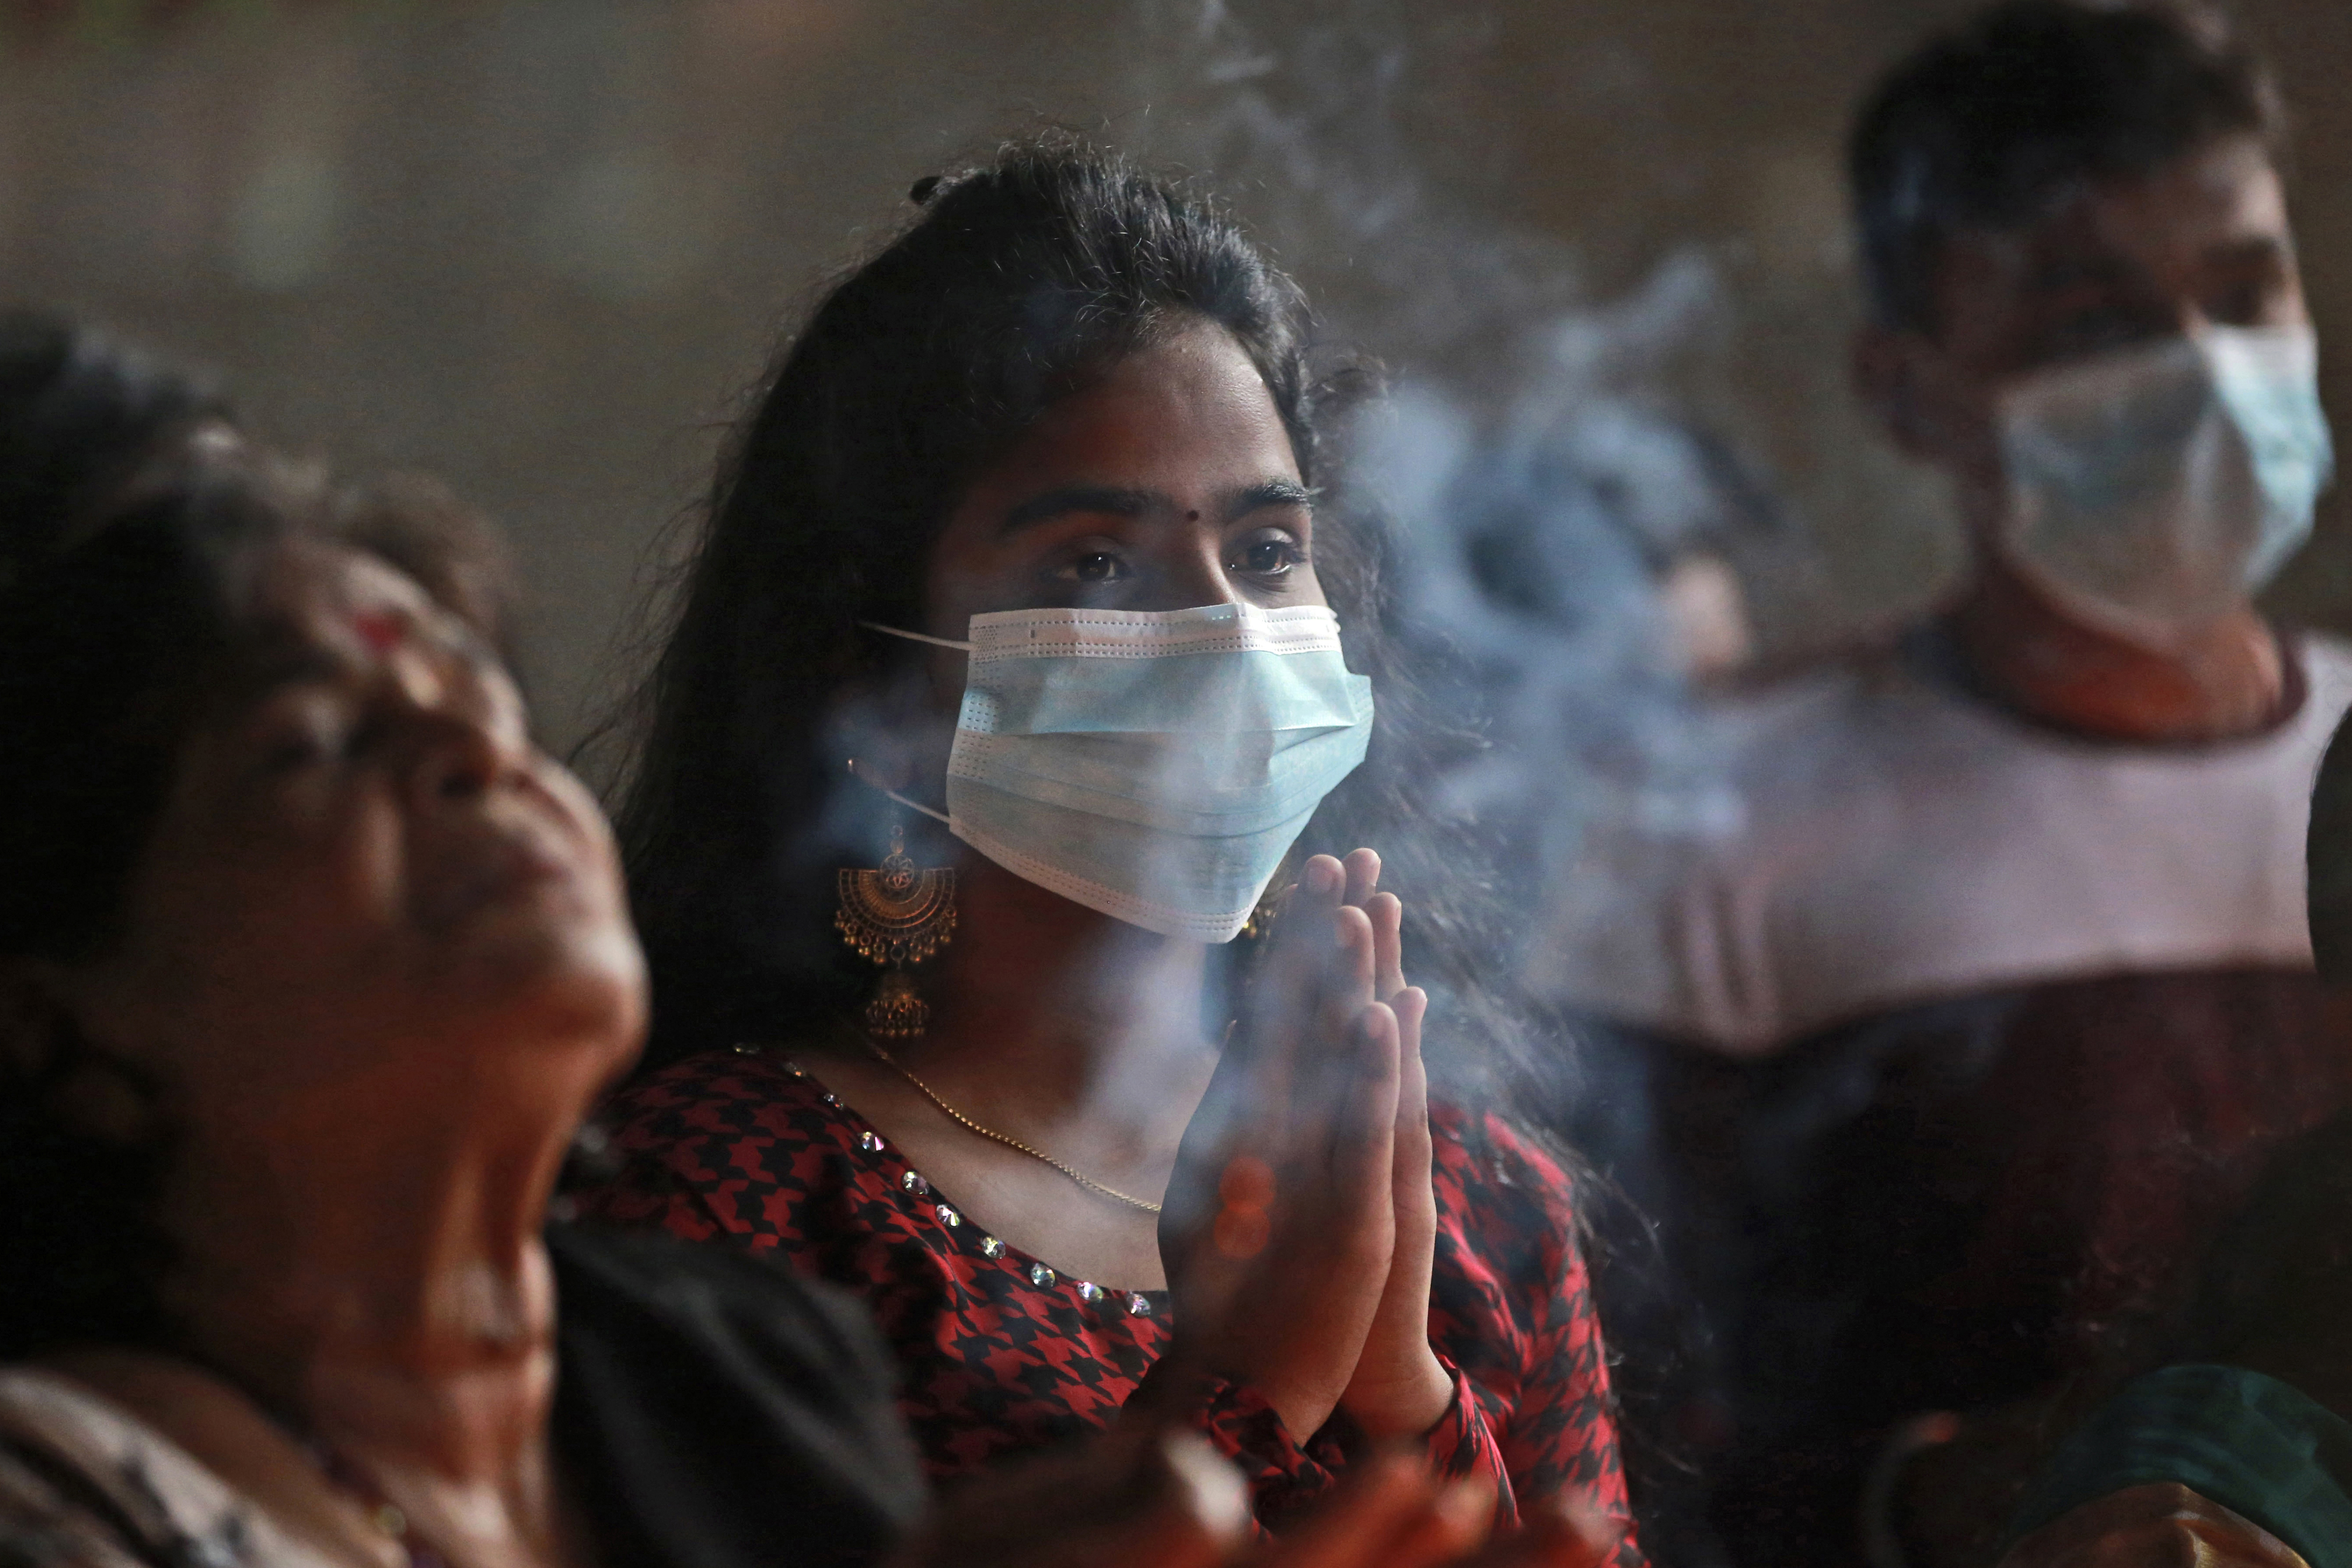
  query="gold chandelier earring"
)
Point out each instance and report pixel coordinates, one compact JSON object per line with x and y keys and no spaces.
{"x":897,"y":915}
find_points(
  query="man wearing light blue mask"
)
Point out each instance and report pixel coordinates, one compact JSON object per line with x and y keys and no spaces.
{"x":2003,"y":994}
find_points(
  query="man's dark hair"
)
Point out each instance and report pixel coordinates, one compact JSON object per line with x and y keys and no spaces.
{"x":1985,"y":126}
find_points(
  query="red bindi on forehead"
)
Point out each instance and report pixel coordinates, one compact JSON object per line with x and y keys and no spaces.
{"x":380,"y":630}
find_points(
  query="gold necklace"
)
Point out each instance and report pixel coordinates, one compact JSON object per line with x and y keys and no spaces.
{"x":960,"y":1120}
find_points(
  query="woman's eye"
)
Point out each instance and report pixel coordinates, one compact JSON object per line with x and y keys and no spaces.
{"x":359,"y":739}
{"x":292,"y":753}
{"x":1269,"y":557}
{"x":305,"y":746}
{"x":316,"y":740}
{"x":1096,"y":566}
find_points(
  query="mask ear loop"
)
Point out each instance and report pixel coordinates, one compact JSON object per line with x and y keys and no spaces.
{"x":902,"y":935}
{"x":917,"y":636}
{"x":938,"y":817}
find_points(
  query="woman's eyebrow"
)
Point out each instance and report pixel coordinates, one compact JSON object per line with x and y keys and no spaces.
{"x":291,"y":662}
{"x":1270,"y":492}
{"x":1110,"y":499}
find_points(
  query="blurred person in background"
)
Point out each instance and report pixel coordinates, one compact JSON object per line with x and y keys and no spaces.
{"x":310,"y":964}
{"x":2002,"y":994}
{"x":2237,"y":1453}
{"x":1022,"y":538}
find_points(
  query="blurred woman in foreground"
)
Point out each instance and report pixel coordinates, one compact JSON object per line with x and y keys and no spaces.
{"x":310,"y":964}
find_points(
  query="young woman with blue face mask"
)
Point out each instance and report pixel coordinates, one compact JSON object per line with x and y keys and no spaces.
{"x":1015,"y":667}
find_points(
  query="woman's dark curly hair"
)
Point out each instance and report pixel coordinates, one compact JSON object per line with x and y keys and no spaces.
{"x":1018,"y":283}
{"x":130,"y":521}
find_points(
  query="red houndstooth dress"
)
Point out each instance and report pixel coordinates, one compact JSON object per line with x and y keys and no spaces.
{"x":1000,"y":1355}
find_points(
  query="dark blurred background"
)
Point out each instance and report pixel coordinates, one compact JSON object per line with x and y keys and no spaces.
{"x":541,"y":248}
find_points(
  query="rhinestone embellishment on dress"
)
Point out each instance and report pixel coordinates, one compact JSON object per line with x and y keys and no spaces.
{"x":913,"y":1182}
{"x":870,"y":1142}
{"x":1040,"y":1276}
{"x":1139,"y":1305}
{"x":742,"y":1050}
{"x":1089,"y":1291}
{"x":991,"y":1248}
{"x":830,"y":1097}
{"x":948,"y":1217}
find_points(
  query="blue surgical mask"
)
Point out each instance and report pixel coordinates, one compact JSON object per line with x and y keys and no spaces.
{"x":1153,"y":765}
{"x":2155,"y":490}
